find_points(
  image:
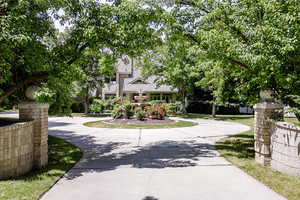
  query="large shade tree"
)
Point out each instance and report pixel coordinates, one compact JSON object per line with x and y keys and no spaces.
{"x":243,"y":46}
{"x":32,"y":51}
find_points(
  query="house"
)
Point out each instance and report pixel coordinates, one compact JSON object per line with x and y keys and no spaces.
{"x":129,"y":82}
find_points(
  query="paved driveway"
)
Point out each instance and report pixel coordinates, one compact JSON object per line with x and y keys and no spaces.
{"x":157,"y":164}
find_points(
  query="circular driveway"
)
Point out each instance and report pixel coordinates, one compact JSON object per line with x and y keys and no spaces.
{"x":152,"y":164}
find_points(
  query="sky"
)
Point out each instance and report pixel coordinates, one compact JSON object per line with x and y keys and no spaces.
{"x":61,"y":27}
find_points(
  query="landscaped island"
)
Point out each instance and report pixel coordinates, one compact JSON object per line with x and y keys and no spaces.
{"x":173,"y":124}
{"x":150,"y":115}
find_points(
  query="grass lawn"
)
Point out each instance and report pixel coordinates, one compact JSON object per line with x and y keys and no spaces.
{"x":62,"y":156}
{"x":91,"y":115}
{"x":177,"y":124}
{"x":239,"y":150}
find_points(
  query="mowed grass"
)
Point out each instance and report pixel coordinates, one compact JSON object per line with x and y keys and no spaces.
{"x":62,"y":156}
{"x":177,"y":124}
{"x":239,"y":150}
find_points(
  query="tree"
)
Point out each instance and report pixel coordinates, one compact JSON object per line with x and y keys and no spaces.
{"x":246,"y":46}
{"x":33,"y":52}
{"x":96,"y":66}
{"x":174,"y":65}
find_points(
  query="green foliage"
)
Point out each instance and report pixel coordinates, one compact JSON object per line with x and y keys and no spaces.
{"x":123,"y":109}
{"x":246,"y":46}
{"x":155,"y":102}
{"x":140,"y":114}
{"x":97,"y":107}
{"x":33,"y":52}
{"x":173,"y":108}
{"x":117,"y":112}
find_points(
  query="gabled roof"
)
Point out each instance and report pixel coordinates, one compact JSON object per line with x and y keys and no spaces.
{"x":136,"y":82}
{"x":148,"y":84}
{"x":139,"y":80}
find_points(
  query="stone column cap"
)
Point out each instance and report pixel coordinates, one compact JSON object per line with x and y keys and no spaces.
{"x":30,"y":105}
{"x":268,"y":105}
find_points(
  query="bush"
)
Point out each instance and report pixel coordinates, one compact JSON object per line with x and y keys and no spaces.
{"x":100,"y":106}
{"x":117,"y":112}
{"x":140,"y":114}
{"x":157,"y":112}
{"x":156,"y":102}
{"x":97,"y":107}
{"x":173,"y":108}
{"x":123,"y":109}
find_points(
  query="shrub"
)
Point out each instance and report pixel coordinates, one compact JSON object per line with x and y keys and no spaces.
{"x":108,"y":104}
{"x":117,"y":112}
{"x":98,"y":106}
{"x":173,"y":108}
{"x":156,"y":102}
{"x":123,"y":109}
{"x":157,"y":112}
{"x":140,"y":114}
{"x":128,"y":108}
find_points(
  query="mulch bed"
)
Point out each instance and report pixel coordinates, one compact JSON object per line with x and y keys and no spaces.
{"x":135,"y":121}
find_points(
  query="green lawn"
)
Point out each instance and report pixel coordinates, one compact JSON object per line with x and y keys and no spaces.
{"x":62,"y":156}
{"x":177,"y":124}
{"x":91,"y":115}
{"x":239,"y":150}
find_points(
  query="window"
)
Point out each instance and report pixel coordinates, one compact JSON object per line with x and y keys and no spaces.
{"x":167,"y":98}
{"x":154,"y":97}
{"x":110,"y":79}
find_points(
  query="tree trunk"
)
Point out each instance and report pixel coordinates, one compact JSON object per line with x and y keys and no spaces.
{"x":86,"y":109}
{"x":86,"y":101}
{"x":183,"y":102}
{"x":213,"y":113}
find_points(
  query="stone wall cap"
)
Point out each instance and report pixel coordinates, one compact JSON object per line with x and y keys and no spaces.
{"x":268,"y":105}
{"x":287,"y":125}
{"x":17,"y":125}
{"x":33,"y":105}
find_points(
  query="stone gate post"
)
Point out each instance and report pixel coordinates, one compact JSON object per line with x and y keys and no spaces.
{"x":39,"y":113}
{"x":263,"y":129}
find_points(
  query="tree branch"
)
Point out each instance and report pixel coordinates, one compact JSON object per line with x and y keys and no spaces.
{"x":26,"y":81}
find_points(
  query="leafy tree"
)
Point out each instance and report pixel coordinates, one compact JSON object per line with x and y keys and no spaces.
{"x":174,"y":65}
{"x":243,"y":46}
{"x":33,"y":51}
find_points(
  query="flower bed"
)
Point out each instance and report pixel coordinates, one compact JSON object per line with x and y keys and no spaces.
{"x":136,"y":121}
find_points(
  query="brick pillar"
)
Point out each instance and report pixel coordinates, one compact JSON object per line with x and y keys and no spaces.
{"x":39,"y":113}
{"x":263,"y":130}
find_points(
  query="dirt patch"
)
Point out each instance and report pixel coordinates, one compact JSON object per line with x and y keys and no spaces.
{"x":135,"y":121}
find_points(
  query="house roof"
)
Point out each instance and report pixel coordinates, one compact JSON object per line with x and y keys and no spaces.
{"x":149,"y":85}
{"x":110,"y":88}
{"x":136,"y":82}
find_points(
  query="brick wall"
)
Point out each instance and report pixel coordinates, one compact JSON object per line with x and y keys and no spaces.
{"x":285,"y":148}
{"x":277,"y":144}
{"x":16,"y":149}
{"x":25,"y":145}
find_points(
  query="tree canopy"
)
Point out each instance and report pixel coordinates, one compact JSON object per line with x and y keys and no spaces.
{"x":34,"y":51}
{"x":237,"y":48}
{"x":242,"y":47}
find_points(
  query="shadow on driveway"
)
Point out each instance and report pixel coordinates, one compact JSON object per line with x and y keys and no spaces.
{"x":111,"y":155}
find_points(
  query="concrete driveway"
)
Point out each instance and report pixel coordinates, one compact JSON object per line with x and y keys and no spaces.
{"x":156,"y":164}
